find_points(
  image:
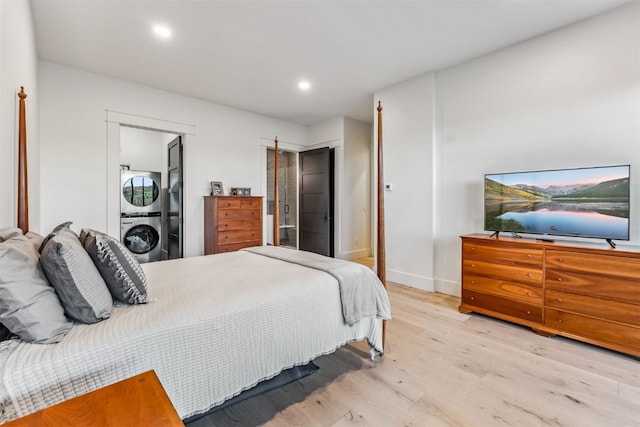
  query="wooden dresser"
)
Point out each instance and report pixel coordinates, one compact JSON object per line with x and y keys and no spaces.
{"x":232,"y":223}
{"x":582,"y":291}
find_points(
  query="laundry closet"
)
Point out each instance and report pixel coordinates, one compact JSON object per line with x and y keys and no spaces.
{"x":150,"y":194}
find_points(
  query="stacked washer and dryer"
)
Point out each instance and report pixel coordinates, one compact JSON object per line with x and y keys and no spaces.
{"x":141,"y":214}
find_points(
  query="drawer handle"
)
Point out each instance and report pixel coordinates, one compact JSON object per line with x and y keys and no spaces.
{"x":559,"y":320}
{"x":528,"y":311}
{"x":473,"y":298}
{"x":528,"y":274}
{"x":528,"y":294}
{"x":528,"y":255}
{"x":560,"y":259}
{"x":473,"y":249}
{"x":559,"y":299}
{"x":473,"y":266}
{"x":559,"y":279}
{"x":473,"y":282}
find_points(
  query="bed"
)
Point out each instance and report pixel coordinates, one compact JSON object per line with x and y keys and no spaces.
{"x":211,"y":328}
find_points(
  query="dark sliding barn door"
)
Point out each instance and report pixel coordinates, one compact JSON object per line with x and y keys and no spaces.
{"x":316,"y":201}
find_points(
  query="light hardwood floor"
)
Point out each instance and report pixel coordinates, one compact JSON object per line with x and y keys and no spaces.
{"x":444,"y":368}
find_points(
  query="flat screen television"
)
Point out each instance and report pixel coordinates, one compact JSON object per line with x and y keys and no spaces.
{"x":583,"y":202}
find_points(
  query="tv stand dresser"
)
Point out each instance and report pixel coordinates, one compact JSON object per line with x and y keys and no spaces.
{"x":583,"y":291}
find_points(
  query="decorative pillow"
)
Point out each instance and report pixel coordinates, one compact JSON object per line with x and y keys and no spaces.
{"x":29,"y":306}
{"x":83,"y":293}
{"x":119,"y":268}
{"x":53,"y":233}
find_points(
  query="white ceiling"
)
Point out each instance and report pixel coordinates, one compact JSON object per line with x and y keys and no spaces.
{"x":251,"y":54}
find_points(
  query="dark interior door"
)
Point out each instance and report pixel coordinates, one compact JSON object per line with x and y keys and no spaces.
{"x":174,"y":204}
{"x":316,"y":201}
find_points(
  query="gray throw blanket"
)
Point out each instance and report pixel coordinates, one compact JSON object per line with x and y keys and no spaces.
{"x":361,"y":292}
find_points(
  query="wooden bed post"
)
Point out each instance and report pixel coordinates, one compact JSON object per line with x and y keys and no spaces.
{"x":276,"y":202}
{"x":23,"y":188}
{"x":381,"y":265}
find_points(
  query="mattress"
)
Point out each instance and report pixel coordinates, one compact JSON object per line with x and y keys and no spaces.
{"x":215,"y":326}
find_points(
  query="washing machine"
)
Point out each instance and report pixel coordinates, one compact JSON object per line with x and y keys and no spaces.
{"x":140,"y":192}
{"x":141,"y":233}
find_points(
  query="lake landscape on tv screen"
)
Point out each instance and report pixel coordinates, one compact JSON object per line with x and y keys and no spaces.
{"x":587,"y":202}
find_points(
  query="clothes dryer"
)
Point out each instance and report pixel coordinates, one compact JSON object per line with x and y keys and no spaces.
{"x":140,"y":192}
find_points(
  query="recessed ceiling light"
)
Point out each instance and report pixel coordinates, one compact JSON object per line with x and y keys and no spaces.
{"x":304,"y":85}
{"x":162,"y":31}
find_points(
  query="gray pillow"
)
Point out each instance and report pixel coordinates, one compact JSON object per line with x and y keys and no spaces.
{"x":53,"y":233}
{"x":29,"y":306}
{"x":119,"y":268}
{"x":83,"y":293}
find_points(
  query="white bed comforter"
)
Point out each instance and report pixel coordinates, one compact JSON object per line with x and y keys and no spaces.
{"x":216,"y":325}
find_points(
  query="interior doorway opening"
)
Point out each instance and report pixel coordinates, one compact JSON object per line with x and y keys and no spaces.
{"x":156,"y":232}
{"x":287,"y":197}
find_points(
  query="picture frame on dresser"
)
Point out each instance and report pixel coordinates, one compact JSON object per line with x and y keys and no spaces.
{"x":216,"y":188}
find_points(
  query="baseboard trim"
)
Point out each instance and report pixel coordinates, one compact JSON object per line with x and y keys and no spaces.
{"x":408,"y":279}
{"x":448,"y":287}
{"x":358,"y":253}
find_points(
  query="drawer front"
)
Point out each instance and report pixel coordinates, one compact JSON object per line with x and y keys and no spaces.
{"x":237,"y":224}
{"x":228,"y":203}
{"x":507,"y":306}
{"x":232,"y":247}
{"x":608,"y":287}
{"x":505,"y":288}
{"x":511,"y":253}
{"x":523,"y":274}
{"x":600,"y":264}
{"x":239,"y":236}
{"x":238,"y":213}
{"x":591,"y":306}
{"x":250,"y":203}
{"x":590,"y":328}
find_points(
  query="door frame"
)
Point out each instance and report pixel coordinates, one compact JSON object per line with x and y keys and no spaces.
{"x":263,"y":144}
{"x":336,"y":144}
{"x":115,"y":119}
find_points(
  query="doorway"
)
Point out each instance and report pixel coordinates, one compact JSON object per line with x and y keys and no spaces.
{"x":317,"y":201}
{"x":287,"y":197}
{"x":147,"y":151}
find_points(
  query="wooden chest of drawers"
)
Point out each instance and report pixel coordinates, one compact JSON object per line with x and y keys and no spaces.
{"x":232,"y":223}
{"x":503,"y":280}
{"x":594,"y":297}
{"x":577,"y":290}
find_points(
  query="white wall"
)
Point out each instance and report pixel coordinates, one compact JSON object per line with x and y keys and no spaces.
{"x":18,"y":67}
{"x":407,"y":119}
{"x":355,"y":217}
{"x":73,"y":103}
{"x":569,"y":98}
{"x":351,"y":141}
{"x":143,"y":149}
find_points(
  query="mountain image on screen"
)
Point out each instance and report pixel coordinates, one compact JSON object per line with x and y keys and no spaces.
{"x":588,"y":202}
